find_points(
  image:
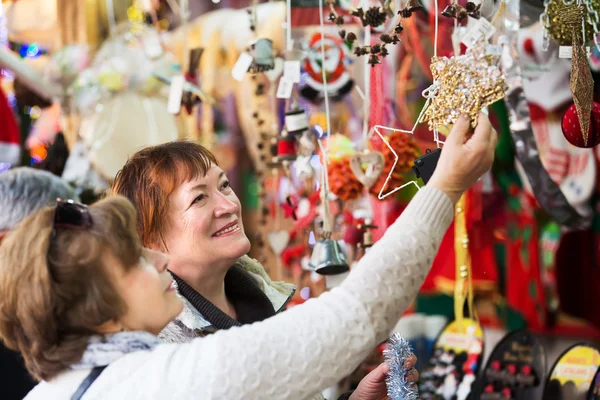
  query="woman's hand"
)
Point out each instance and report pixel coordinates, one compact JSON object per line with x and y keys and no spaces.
{"x":464,"y":159}
{"x":373,"y":387}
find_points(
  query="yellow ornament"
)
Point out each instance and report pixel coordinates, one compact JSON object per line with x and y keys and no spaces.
{"x":112,"y":80}
{"x":136,"y":18}
{"x":556,"y":26}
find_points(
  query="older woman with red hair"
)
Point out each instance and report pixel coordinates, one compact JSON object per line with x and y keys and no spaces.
{"x":187,"y":208}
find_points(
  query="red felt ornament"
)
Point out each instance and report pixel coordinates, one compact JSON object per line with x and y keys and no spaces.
{"x":572,"y":128}
{"x":286,"y":149}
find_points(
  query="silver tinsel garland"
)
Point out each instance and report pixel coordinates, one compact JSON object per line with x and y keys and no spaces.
{"x":396,"y":354}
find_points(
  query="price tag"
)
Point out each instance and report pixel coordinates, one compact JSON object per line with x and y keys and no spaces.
{"x":284,"y":91}
{"x":291,"y":71}
{"x":241,"y":66}
{"x":482,"y":29}
{"x":175,"y":94}
{"x":493,"y":50}
{"x":567,"y":52}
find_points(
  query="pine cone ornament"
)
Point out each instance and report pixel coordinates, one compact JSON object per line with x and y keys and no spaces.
{"x":374,"y":17}
{"x":342,"y":181}
{"x":407,"y":149}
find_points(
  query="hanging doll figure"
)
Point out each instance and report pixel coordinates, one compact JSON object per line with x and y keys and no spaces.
{"x":339,"y":82}
{"x":448,"y":388}
{"x":464,"y":389}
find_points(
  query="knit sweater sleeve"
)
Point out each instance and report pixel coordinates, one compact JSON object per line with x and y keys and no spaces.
{"x":297,"y":353}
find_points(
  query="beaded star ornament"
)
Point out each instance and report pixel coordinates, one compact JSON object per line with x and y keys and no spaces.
{"x":465,"y":84}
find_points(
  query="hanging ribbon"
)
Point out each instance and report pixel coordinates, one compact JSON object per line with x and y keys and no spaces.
{"x":463,"y":291}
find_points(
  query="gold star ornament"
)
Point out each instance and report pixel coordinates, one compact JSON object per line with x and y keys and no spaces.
{"x":465,"y":84}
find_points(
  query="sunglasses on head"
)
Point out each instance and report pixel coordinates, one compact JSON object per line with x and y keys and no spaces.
{"x":71,"y":215}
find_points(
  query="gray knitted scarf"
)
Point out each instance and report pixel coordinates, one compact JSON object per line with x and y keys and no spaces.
{"x":103,"y":350}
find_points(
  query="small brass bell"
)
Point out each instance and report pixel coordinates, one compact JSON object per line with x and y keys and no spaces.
{"x":449,"y":12}
{"x":367,"y":240}
{"x":413,"y":5}
{"x":328,"y":258}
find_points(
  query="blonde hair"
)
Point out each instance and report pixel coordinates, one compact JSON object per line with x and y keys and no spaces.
{"x":57,"y":290}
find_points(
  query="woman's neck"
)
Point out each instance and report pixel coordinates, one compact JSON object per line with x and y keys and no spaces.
{"x":209,"y":282}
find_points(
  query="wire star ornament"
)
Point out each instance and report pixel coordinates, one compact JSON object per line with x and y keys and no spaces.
{"x":429,"y":94}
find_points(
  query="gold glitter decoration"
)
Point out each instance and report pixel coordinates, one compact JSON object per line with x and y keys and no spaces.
{"x":559,"y":29}
{"x":465,"y":84}
{"x":582,"y":82}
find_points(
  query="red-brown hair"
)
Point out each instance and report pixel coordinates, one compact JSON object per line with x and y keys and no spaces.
{"x":151,"y":175}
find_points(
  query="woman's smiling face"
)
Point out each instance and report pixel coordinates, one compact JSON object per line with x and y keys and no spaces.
{"x":205,"y":222}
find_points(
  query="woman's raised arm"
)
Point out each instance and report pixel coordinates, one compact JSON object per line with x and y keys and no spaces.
{"x":312,"y":346}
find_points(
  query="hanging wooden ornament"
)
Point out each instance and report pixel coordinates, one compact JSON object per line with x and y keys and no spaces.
{"x":374,"y":161}
{"x":582,"y":82}
{"x":278,"y":240}
{"x":571,"y":127}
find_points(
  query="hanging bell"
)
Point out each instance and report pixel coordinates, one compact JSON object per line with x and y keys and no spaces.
{"x":296,"y":121}
{"x":328,"y":258}
{"x":263,"y":55}
{"x":413,"y":5}
{"x":449,"y":12}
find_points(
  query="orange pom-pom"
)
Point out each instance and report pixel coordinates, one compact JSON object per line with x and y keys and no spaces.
{"x":342,"y":181}
{"x":407,"y":149}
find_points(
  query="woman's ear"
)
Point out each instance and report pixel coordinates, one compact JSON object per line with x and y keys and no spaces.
{"x":2,"y":236}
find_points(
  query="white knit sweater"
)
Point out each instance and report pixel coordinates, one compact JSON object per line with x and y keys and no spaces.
{"x":295,"y":354}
